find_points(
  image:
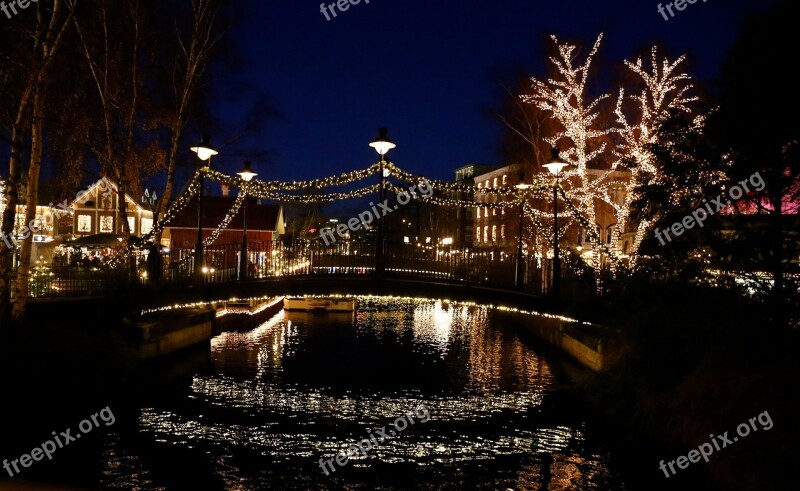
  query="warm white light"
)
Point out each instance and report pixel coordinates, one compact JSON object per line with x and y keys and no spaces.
{"x":247,"y":173}
{"x":204,"y":153}
{"x":382,"y":144}
{"x":447,"y":241}
{"x":555,"y":167}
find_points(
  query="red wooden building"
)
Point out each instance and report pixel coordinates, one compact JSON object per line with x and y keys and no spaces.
{"x":264,"y":223}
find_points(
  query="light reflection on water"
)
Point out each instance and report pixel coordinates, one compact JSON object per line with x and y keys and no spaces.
{"x":302,"y":387}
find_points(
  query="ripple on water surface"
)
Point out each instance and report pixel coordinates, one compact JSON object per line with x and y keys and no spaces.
{"x":304,"y":387}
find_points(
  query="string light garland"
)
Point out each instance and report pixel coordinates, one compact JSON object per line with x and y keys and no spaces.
{"x":226,"y":220}
{"x":320,"y":198}
{"x":177,"y":205}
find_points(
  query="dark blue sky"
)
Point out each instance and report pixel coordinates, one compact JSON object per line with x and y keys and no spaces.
{"x":427,"y":70}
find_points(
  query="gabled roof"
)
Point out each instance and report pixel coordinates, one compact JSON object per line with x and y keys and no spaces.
{"x":106,"y":185}
{"x":268,"y":218}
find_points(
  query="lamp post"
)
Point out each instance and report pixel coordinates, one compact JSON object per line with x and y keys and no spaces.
{"x":519,"y":277}
{"x":382,"y":145}
{"x":247,"y":175}
{"x":555,"y":166}
{"x":204,"y":153}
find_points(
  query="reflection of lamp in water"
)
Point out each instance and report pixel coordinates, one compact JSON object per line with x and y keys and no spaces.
{"x":433,"y":324}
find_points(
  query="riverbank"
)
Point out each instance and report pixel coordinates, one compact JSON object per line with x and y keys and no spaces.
{"x":698,"y":361}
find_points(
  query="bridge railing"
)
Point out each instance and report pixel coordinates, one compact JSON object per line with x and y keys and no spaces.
{"x":285,"y":258}
{"x":276,"y":259}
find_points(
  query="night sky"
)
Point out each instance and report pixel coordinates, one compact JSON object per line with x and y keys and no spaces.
{"x":429,"y":70}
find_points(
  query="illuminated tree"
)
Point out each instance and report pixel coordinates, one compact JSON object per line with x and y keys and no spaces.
{"x":664,"y":93}
{"x":609,"y":157}
{"x":581,"y":139}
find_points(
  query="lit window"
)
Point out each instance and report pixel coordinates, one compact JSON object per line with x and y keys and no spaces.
{"x":486,"y":233}
{"x":494,"y":233}
{"x":505,"y":179}
{"x":494,"y":212}
{"x":503,"y":211}
{"x":84,"y":223}
{"x":406,"y":240}
{"x":487,"y":183}
{"x":478,"y":210}
{"x":494,"y":183}
{"x":480,"y":185}
{"x":146,"y":226}
{"x":132,"y":225}
{"x":106,"y":225}
{"x":502,"y":231}
{"x":478,"y":234}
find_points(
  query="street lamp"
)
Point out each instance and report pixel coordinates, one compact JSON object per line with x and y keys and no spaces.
{"x":555,"y":166}
{"x":204,"y":153}
{"x":247,"y":175}
{"x":382,"y":145}
{"x":519,"y":277}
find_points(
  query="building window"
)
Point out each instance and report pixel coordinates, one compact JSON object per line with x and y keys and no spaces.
{"x":487,"y":183}
{"x":495,"y":182}
{"x":146,"y":226}
{"x":505,"y":179}
{"x":84,"y":223}
{"x":480,"y":185}
{"x":503,"y":211}
{"x":106,"y":225}
{"x":486,"y":233}
{"x":478,"y":210}
{"x":478,"y":234}
{"x":494,"y":233}
{"x":503,"y":231}
{"x":132,"y":224}
{"x":494,"y":212}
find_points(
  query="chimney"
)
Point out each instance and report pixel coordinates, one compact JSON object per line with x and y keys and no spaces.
{"x":226,"y":190}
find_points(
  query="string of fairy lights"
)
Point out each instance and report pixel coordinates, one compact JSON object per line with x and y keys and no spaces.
{"x":311,"y":191}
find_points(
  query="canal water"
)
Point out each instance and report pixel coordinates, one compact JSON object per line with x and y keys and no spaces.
{"x":448,"y":396}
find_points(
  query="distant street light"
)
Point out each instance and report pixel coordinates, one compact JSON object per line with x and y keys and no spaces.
{"x":382,"y":145}
{"x":247,"y":175}
{"x":204,"y":153}
{"x":555,"y":166}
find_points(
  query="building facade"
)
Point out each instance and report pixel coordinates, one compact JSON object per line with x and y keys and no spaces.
{"x":96,"y":211}
{"x":265,"y":223}
{"x":497,"y":228}
{"x":460,"y":221}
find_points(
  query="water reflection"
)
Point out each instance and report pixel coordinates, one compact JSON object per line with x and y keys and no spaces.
{"x":302,"y":387}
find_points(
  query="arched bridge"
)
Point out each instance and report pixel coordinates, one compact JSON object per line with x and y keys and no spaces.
{"x":307,"y":267}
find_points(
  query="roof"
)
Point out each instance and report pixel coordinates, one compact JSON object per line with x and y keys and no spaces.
{"x":259,"y":217}
{"x":105,"y":186}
